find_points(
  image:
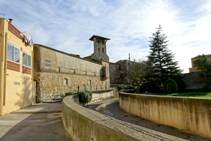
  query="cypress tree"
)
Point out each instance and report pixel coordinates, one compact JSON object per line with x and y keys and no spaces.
{"x":161,"y":64}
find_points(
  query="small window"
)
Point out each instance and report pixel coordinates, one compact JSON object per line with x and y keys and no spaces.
{"x":65,"y":81}
{"x":13,"y":53}
{"x":58,"y":69}
{"x":72,"y":71}
{"x":47,"y":62}
{"x":103,"y":50}
{"x":26,"y":60}
{"x":89,"y":82}
{"x":98,"y":49}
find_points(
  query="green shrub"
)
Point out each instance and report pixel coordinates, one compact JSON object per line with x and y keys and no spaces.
{"x":121,"y":86}
{"x":129,"y":87}
{"x":170,"y":86}
{"x":69,"y":93}
{"x":124,"y":86}
{"x":205,"y":88}
{"x":85,"y":96}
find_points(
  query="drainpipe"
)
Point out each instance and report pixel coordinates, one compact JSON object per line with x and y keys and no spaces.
{"x":5,"y":70}
{"x":3,"y":74}
{"x":1,"y":89}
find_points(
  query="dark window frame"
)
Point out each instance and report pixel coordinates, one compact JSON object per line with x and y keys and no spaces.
{"x":47,"y":62}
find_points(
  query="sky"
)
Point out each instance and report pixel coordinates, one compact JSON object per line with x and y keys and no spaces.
{"x":67,"y":25}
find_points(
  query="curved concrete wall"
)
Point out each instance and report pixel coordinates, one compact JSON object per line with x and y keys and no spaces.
{"x":83,"y":124}
{"x":189,"y":114}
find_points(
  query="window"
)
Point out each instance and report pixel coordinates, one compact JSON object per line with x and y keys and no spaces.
{"x":47,"y":62}
{"x":72,"y":71}
{"x":89,"y":82}
{"x":98,"y":49}
{"x":13,"y":53}
{"x":26,"y":60}
{"x":65,"y":81}
{"x":103,"y":50}
{"x":58,"y":69}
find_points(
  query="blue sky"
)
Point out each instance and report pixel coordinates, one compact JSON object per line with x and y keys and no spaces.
{"x":67,"y":25}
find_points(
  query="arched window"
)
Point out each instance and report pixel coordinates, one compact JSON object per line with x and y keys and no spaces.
{"x":65,"y":81}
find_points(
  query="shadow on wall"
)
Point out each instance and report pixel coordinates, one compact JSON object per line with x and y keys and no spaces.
{"x":25,"y":97}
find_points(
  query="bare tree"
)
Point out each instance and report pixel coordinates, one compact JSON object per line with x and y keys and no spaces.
{"x":138,"y":73}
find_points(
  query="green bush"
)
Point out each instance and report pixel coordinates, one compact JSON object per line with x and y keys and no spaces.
{"x":129,"y":87}
{"x":170,"y":86}
{"x":205,"y":88}
{"x":85,"y":96}
{"x":124,"y":86}
{"x":69,"y":93}
{"x":121,"y":86}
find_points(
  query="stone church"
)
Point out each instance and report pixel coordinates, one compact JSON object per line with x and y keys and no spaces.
{"x":57,"y":72}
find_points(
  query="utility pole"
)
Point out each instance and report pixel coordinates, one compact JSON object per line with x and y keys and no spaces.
{"x":129,"y":69}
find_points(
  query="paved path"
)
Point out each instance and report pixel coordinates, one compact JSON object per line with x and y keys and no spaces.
{"x":156,"y":131}
{"x":41,"y":122}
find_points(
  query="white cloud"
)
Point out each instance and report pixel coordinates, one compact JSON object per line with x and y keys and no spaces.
{"x":67,"y":25}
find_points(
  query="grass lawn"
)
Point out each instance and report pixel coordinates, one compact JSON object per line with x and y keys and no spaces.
{"x":188,"y":94}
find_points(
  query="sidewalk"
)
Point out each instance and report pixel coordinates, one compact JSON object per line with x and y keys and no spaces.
{"x":40,"y":122}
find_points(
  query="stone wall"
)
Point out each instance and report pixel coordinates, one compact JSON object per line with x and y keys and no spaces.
{"x":66,"y":73}
{"x":188,"y":114}
{"x":193,"y":80}
{"x":50,"y":85}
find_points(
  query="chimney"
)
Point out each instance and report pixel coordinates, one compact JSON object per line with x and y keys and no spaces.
{"x":10,"y":20}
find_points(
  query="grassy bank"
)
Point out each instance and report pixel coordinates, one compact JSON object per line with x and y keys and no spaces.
{"x":187,"y":94}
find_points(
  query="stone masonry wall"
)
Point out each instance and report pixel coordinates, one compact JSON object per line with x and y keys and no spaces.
{"x":50,"y":85}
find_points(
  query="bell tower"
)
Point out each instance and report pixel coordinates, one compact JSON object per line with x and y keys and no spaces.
{"x":100,"y":48}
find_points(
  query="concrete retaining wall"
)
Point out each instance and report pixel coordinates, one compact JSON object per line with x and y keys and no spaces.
{"x":188,"y":114}
{"x":83,"y":124}
{"x":103,"y":94}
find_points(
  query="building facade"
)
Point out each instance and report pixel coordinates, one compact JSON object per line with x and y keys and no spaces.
{"x":57,"y":72}
{"x":16,"y":67}
{"x":192,"y":69}
{"x":33,"y":72}
{"x":119,"y":72}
